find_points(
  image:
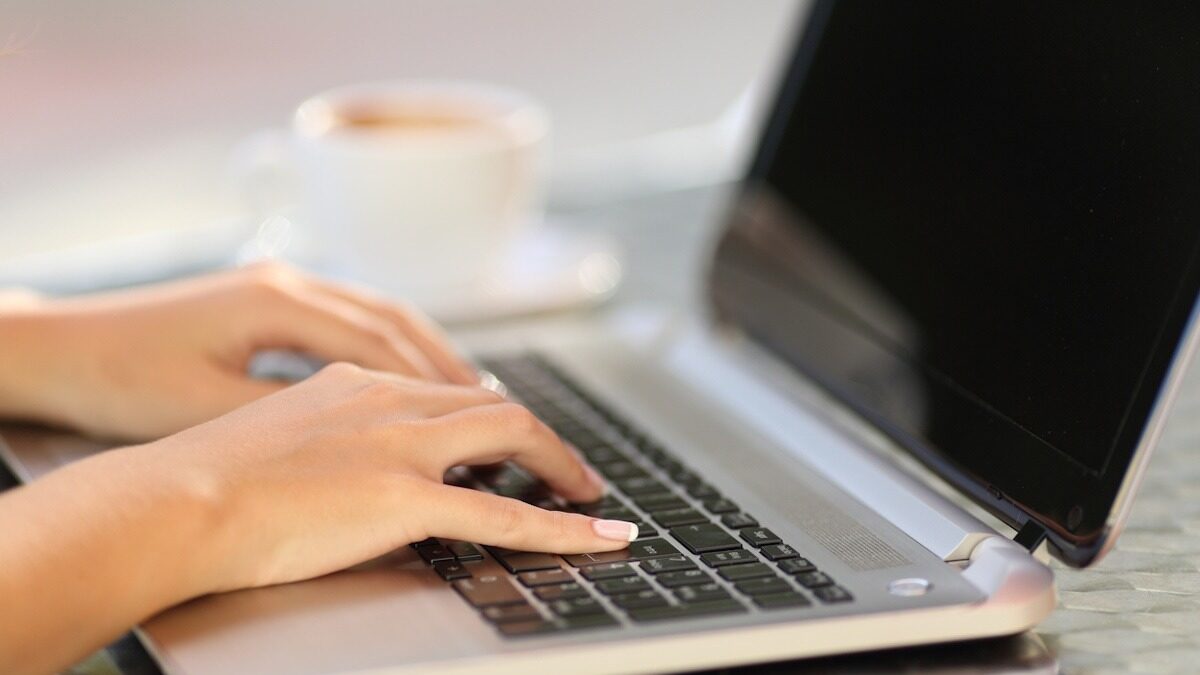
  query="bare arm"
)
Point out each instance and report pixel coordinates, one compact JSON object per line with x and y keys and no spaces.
{"x":339,"y":469}
{"x":299,"y":482}
{"x":89,"y":551}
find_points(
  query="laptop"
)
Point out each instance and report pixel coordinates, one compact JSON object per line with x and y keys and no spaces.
{"x":962,"y":268}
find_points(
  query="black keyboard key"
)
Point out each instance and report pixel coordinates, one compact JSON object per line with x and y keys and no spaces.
{"x":669,"y":464}
{"x":650,"y":498}
{"x":622,"y":585}
{"x":635,"y":438}
{"x":763,"y":586}
{"x":517,"y":562}
{"x":565,"y":591}
{"x":651,"y":548}
{"x":435,"y":554}
{"x":576,"y":606}
{"x":425,"y":542}
{"x":581,"y":437}
{"x":616,"y":511}
{"x":750,"y":571}
{"x":660,"y":501}
{"x":674,"y":563}
{"x":544,"y":577}
{"x":692,"y":577}
{"x":683,"y":475}
{"x":695,"y":610}
{"x":720,"y":506}
{"x":779,"y":552}
{"x":832,"y":594}
{"x":506,"y":613}
{"x":796,"y":566}
{"x":703,"y":491}
{"x":451,"y":570}
{"x":512,"y":481}
{"x":655,"y":453}
{"x":760,"y":536}
{"x":645,"y":530}
{"x":737,"y":521}
{"x":564,"y":422}
{"x":602,"y":454}
{"x":525,"y":628}
{"x":678,"y":517}
{"x":704,"y":538}
{"x":642,"y":485}
{"x":607,"y":571}
{"x":781,"y":600}
{"x":585,"y":559}
{"x":640,"y":600}
{"x":586,"y":621}
{"x":465,"y":551}
{"x":616,"y":471}
{"x":814,"y":579}
{"x":607,"y":501}
{"x":705,"y":592}
{"x":722,"y":558}
{"x":489,"y":590}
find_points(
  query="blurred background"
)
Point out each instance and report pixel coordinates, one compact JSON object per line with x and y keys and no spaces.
{"x":118,"y":118}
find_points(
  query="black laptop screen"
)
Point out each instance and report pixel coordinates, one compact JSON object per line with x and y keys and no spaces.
{"x":980,"y":222}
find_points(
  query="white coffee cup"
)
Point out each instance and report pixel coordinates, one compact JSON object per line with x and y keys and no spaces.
{"x":416,"y":187}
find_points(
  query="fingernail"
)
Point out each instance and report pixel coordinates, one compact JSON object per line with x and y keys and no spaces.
{"x":617,"y":530}
{"x":596,"y":479}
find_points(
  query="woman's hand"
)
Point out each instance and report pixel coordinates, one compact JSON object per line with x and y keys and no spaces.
{"x":148,"y":362}
{"x":348,"y":465}
{"x":335,"y":470}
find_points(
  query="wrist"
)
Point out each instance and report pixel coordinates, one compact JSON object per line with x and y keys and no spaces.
{"x":173,"y":513}
{"x":26,"y":340}
{"x":197,"y":502}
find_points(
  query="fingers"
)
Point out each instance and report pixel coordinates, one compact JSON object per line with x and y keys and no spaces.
{"x":470,"y":515}
{"x":414,"y":325}
{"x":494,"y":433}
{"x":424,"y":344}
{"x":336,"y":330}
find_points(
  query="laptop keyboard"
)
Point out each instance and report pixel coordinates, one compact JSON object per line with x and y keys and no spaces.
{"x":698,"y":554}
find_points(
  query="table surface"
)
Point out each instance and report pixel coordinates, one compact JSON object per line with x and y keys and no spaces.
{"x":1137,"y":611}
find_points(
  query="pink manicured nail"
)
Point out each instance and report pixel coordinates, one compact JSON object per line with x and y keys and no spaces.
{"x":617,"y":530}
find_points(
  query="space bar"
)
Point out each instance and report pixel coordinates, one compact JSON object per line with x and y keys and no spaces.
{"x":686,"y":611}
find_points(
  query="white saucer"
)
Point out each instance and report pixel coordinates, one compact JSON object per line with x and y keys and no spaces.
{"x":549,"y":268}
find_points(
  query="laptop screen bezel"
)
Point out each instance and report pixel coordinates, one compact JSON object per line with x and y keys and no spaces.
{"x":750,"y":287}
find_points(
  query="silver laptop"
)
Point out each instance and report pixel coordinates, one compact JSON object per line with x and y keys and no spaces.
{"x":963,"y":263}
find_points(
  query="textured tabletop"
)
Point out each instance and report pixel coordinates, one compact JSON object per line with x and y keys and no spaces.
{"x":1137,"y":611}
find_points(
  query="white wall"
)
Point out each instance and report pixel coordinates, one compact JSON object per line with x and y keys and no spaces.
{"x":118,"y":115}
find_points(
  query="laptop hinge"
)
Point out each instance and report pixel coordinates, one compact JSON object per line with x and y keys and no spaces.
{"x":1031,"y":535}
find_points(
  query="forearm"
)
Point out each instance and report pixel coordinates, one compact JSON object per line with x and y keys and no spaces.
{"x":91,"y":550}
